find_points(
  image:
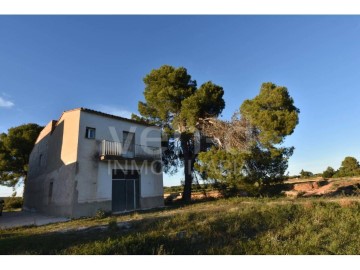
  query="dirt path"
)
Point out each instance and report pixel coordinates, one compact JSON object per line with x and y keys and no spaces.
{"x":22,"y":218}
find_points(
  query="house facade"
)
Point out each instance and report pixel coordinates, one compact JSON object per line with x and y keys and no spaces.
{"x":88,"y":161}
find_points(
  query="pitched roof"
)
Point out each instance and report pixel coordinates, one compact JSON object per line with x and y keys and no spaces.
{"x":111,"y":116}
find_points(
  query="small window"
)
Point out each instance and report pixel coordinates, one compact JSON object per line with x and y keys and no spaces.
{"x":90,"y":133}
{"x":51,"y":186}
{"x":129,"y":141}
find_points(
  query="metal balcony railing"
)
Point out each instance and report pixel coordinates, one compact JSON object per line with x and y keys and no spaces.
{"x":115,"y":150}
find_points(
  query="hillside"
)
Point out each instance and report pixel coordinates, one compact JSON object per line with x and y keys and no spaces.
{"x":323,"y":187}
{"x":224,"y":226}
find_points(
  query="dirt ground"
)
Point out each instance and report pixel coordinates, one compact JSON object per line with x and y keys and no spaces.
{"x":299,"y":188}
{"x":324,"y":187}
{"x":195,"y":195}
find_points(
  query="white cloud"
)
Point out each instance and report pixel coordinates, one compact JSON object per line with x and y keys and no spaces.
{"x":5,"y":103}
{"x":114,"y":110}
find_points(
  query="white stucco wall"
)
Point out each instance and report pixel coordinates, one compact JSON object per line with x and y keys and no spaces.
{"x":151,"y":184}
{"x":144,"y":135}
{"x":72,"y":163}
{"x":94,"y":180}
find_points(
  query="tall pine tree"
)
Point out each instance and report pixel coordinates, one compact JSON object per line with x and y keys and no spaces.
{"x":174,"y":102}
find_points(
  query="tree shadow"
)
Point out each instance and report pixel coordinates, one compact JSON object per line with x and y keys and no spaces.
{"x":57,"y":242}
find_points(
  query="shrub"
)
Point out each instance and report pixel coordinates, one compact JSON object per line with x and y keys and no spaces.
{"x":349,"y":167}
{"x":306,"y":174}
{"x":328,"y":173}
{"x":171,"y":198}
{"x":13,"y":203}
{"x":100,"y":214}
{"x":112,"y":226}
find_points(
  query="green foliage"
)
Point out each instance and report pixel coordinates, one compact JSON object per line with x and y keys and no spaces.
{"x":195,"y":187}
{"x":306,"y":174}
{"x":272,"y":112}
{"x":328,"y":173}
{"x":271,"y":116}
{"x":349,"y":167}
{"x":173,"y":100}
{"x":207,"y":101}
{"x":165,"y":90}
{"x":222,"y":166}
{"x":267,"y":166}
{"x":101,"y":214}
{"x":112,"y":225}
{"x":251,"y":171}
{"x":15,"y":149}
{"x":11,"y":203}
{"x":173,"y":189}
{"x":174,"y":103}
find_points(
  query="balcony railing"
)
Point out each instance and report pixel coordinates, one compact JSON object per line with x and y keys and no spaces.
{"x":116,"y":150}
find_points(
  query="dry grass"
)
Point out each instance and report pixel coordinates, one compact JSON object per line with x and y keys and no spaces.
{"x":224,"y":226}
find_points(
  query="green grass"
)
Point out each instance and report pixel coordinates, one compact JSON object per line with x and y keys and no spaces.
{"x":226,"y":226}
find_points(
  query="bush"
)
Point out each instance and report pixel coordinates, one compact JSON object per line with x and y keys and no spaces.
{"x":328,"y":173}
{"x":112,"y":226}
{"x":13,"y":203}
{"x":170,"y":199}
{"x":349,"y":167}
{"x":100,"y":214}
{"x":306,"y":174}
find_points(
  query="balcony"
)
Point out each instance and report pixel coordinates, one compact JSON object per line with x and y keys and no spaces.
{"x":116,"y":151}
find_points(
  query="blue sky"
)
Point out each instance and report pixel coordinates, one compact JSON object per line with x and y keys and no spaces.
{"x":49,"y":64}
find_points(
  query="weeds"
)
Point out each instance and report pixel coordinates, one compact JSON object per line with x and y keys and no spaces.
{"x":112,"y":226}
{"x":227,"y":226}
{"x":101,"y":214}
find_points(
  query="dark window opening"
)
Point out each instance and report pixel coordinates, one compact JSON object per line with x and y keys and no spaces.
{"x":128,"y":143}
{"x":51,"y":191}
{"x":90,"y":133}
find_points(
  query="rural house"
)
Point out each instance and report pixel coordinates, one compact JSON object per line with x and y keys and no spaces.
{"x":88,"y":161}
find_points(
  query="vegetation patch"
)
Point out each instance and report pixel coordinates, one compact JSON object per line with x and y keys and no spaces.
{"x":13,"y":203}
{"x":225,"y":226}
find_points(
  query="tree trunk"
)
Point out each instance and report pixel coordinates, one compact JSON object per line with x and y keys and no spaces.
{"x":188,"y":168}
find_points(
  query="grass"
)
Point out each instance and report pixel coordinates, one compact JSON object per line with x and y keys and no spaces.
{"x":225,"y":226}
{"x":12,"y":210}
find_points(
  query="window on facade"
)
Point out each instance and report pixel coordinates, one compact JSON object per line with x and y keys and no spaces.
{"x":90,"y":133}
{"x":129,"y":142}
{"x":51,"y":191}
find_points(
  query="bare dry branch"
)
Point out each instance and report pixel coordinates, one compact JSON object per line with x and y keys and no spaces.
{"x":236,"y":133}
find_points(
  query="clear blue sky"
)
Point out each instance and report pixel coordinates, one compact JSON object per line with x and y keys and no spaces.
{"x":49,"y":64}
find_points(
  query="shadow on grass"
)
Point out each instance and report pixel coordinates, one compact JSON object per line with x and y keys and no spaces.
{"x":232,"y":229}
{"x":57,"y":242}
{"x":175,"y":234}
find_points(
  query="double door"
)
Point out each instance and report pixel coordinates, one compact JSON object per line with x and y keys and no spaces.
{"x":125,"y":190}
